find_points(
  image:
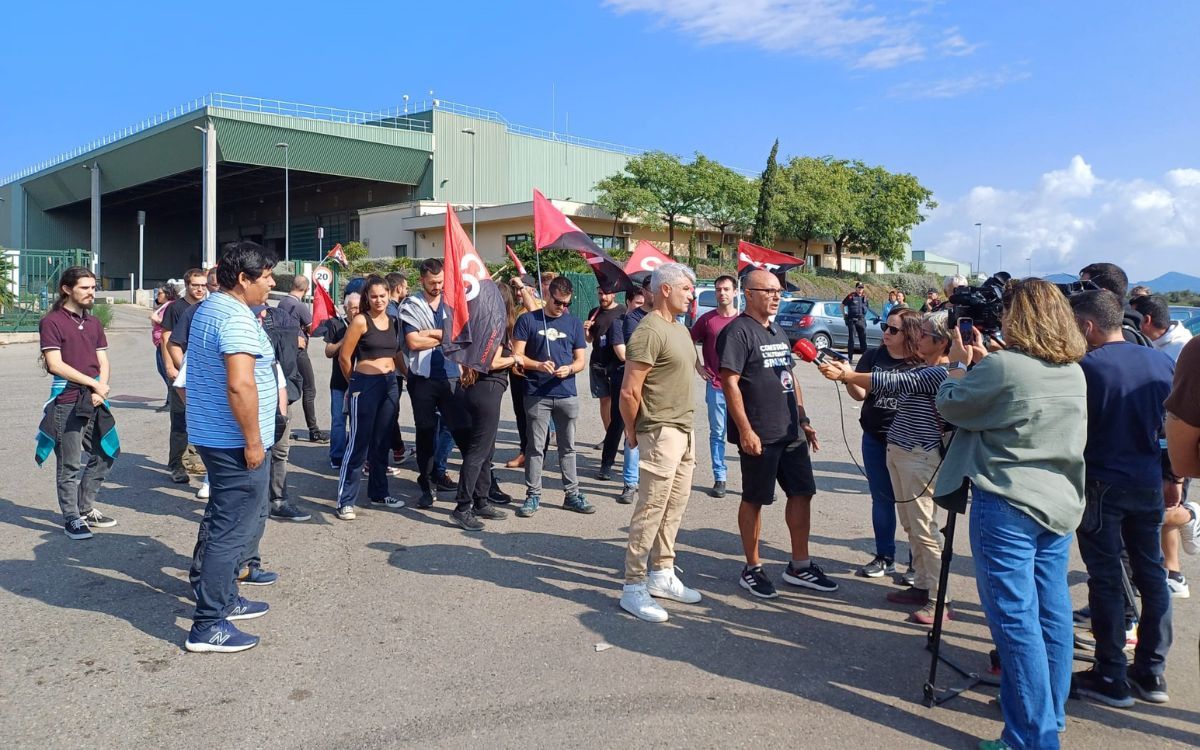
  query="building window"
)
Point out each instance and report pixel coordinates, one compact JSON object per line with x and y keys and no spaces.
{"x":814,"y":261}
{"x":608,"y":242}
{"x":400,"y":250}
{"x":870,"y":266}
{"x":829,"y":249}
{"x":512,"y":240}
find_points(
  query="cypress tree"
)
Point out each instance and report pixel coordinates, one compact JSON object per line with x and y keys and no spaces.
{"x":764,"y":220}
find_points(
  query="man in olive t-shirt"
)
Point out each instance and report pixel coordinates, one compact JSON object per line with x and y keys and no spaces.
{"x":658,"y":407}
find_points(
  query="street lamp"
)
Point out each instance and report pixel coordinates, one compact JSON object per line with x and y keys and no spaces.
{"x":979,"y":248}
{"x":470,"y":132}
{"x":1000,"y":258}
{"x":287,"y":217}
{"x":1030,"y":260}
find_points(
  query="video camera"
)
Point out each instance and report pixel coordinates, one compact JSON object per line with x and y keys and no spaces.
{"x":984,"y":303}
{"x":1071,"y":288}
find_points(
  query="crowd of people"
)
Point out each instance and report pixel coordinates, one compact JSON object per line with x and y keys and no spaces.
{"x":1080,"y":426}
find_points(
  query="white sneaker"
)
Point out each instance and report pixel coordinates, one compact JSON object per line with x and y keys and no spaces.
{"x":664,"y":584}
{"x":202,"y":493}
{"x":1178,"y":587}
{"x":1189,"y":533}
{"x":636,"y":600}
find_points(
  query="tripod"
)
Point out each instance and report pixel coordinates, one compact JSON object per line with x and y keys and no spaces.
{"x":935,"y":696}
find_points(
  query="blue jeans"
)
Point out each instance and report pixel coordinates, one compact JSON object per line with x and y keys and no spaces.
{"x":445,"y":445}
{"x":1112,"y":518}
{"x":715,"y":399}
{"x":1021,"y":572}
{"x":236,"y":507}
{"x":883,"y":498}
{"x":337,"y":425}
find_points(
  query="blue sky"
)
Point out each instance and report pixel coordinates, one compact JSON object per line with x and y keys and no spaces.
{"x":1069,"y":128}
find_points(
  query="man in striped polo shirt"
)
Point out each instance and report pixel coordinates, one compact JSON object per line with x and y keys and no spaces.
{"x":231,"y":405}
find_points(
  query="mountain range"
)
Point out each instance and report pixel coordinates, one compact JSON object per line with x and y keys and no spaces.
{"x":1171,"y":282}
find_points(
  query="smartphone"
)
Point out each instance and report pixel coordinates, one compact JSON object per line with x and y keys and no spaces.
{"x":966,"y":329}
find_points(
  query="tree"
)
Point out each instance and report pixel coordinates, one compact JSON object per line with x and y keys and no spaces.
{"x":729,"y":198}
{"x":767,"y":218}
{"x":7,"y":297}
{"x":661,"y":186}
{"x":355,"y":251}
{"x":620,"y":197}
{"x":882,"y":210}
{"x":813,"y":196}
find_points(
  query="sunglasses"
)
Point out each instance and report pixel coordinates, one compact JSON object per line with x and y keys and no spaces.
{"x":560,"y":303}
{"x":891,"y":329}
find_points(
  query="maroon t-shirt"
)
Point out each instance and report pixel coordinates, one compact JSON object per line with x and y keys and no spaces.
{"x":78,"y":340}
{"x":704,"y":332}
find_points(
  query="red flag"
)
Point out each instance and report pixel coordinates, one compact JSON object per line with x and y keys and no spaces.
{"x":322,"y":306}
{"x":751,"y":256}
{"x":516,"y":261}
{"x":552,"y":229}
{"x":337,"y":254}
{"x":466,"y":270}
{"x":646,"y":257}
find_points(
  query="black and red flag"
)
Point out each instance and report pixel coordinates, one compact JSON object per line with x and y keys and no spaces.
{"x":553,"y":230}
{"x":479,"y":318}
{"x":751,"y":257}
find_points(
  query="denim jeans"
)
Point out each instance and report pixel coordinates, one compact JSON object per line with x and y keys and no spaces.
{"x":445,"y":446}
{"x":78,"y":485}
{"x":1133,"y":518}
{"x":337,"y":425}
{"x":714,"y":398}
{"x":236,"y":507}
{"x":883,"y":498}
{"x":1021,"y":572}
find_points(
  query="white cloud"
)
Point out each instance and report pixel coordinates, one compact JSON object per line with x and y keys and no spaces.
{"x":1070,"y":217}
{"x":947,"y":88}
{"x":846,"y":29}
{"x":956,"y":45}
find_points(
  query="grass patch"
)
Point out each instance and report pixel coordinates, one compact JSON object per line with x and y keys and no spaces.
{"x":104,"y":313}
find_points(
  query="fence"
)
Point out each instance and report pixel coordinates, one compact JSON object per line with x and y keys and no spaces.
{"x":31,"y":279}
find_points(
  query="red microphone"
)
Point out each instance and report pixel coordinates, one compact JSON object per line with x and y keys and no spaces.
{"x":806,"y":350}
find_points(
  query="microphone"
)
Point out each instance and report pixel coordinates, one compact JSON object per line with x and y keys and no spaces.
{"x":808,"y":351}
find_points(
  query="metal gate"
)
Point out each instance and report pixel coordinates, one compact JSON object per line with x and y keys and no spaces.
{"x":31,"y":278}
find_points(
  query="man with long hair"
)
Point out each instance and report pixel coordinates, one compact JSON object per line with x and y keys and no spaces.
{"x":76,"y":415}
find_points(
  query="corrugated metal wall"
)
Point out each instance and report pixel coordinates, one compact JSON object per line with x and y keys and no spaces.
{"x":559,"y":170}
{"x":452,"y":160}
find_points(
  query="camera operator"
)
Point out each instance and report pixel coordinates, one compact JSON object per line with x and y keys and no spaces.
{"x":876,"y":418}
{"x":1126,"y":387}
{"x":914,"y":449}
{"x":1020,"y":440}
{"x":1112,"y":277}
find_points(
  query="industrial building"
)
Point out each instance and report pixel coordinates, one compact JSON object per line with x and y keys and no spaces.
{"x":298,"y":178}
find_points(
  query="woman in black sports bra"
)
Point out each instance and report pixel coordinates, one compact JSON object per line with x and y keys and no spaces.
{"x":368,"y":360}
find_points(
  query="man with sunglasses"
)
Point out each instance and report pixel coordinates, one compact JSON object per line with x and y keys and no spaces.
{"x":550,"y":345}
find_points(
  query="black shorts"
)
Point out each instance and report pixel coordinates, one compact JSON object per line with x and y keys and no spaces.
{"x":600,"y":381}
{"x":785,"y":463}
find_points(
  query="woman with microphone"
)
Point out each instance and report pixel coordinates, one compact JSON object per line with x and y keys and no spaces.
{"x":1021,"y":415}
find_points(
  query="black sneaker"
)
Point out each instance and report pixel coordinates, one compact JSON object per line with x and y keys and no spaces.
{"x":605,"y":473}
{"x":1110,"y":692}
{"x":288,"y":512}
{"x":718,"y":489}
{"x":490,"y":512}
{"x":97,"y":520}
{"x":1148,"y":687}
{"x":77,"y":528}
{"x":426,"y":500}
{"x":179,"y":475}
{"x":318,"y":436}
{"x":756,"y":582}
{"x":444,"y":482}
{"x":811,"y":577}
{"x":466,"y":519}
{"x":878,"y":568}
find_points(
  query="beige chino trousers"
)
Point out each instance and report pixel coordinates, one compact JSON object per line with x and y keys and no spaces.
{"x":912,"y":473}
{"x":666,"y":464}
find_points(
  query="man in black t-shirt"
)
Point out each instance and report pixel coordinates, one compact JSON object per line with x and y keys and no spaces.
{"x":766,"y":415}
{"x":597,"y":331}
{"x":195,"y":290}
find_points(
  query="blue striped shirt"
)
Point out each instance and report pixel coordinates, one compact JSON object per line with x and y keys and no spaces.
{"x":917,"y":423}
{"x":222,"y":325}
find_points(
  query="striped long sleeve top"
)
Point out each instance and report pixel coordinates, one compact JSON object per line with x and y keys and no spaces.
{"x":917,"y":423}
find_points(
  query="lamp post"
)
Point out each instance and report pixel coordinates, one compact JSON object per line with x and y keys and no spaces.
{"x":1000,"y":257}
{"x":1030,"y":260}
{"x":287,"y":203}
{"x":979,"y":248}
{"x":470,"y":132}
{"x":141,"y":220}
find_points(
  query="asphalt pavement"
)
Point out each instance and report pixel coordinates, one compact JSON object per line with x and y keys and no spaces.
{"x":398,"y":629}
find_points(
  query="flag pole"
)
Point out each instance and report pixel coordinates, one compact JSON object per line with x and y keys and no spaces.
{"x":537,"y":255}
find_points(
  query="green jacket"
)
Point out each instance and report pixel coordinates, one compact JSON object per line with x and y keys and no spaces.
{"x":1022,"y":427}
